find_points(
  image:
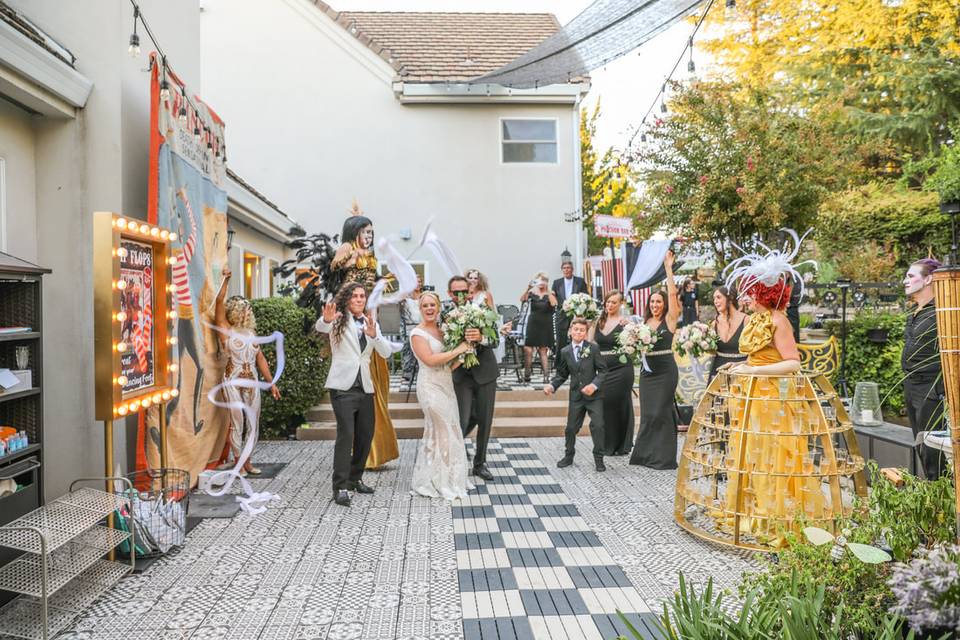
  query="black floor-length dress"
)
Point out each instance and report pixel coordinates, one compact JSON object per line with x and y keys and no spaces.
{"x":540,"y":322}
{"x":617,"y":388}
{"x":727,"y":350}
{"x":656,"y":445}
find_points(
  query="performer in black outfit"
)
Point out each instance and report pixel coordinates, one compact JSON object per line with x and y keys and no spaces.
{"x":582,"y":363}
{"x":923,"y":377}
{"x":476,"y":387}
{"x":539,"y":327}
{"x":563,"y":288}
{"x":688,"y":300}
{"x":656,"y":445}
{"x":729,"y":322}
{"x":617,"y":383}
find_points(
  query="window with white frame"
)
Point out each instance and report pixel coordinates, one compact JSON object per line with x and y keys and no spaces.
{"x":528,"y":140}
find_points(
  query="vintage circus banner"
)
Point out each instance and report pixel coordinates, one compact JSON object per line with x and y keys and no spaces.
{"x":187,"y":195}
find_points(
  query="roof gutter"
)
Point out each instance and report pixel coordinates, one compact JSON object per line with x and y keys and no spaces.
{"x":247,"y":208}
{"x":483,"y":93}
{"x":37,"y":79}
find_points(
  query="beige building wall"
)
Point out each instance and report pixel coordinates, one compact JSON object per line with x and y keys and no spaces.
{"x":313,"y":121}
{"x":18,"y":203}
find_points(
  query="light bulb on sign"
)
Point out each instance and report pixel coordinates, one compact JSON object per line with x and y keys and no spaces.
{"x":173,"y":237}
{"x":172,"y":340}
{"x":145,"y":402}
{"x":157,"y":398}
{"x":155,"y":232}
{"x":144,"y":229}
{"x":121,"y":284}
{"x":173,"y":367}
{"x":172,"y":315}
{"x":121,"y":347}
{"x":121,"y":380}
{"x":165,"y":395}
{"x":164,"y":234}
{"x":134,"y":405}
{"x":122,"y":410}
{"x":122,"y":253}
{"x":174,"y":393}
{"x":121,"y":222}
{"x":132,"y":225}
{"x":121,"y":316}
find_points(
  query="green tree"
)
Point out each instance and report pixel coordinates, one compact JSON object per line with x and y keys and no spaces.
{"x":730,"y":163}
{"x":607,"y":185}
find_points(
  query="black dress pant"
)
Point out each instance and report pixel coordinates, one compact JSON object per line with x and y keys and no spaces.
{"x":577,"y":410}
{"x":925,"y":406}
{"x":355,"y":422}
{"x":476,"y":402}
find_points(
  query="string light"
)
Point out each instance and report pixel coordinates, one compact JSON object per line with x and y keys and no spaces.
{"x":691,"y":67}
{"x":182,"y":116}
{"x":134,"y":48}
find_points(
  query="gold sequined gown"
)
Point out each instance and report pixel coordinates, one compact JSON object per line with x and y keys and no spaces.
{"x":384,"y":447}
{"x":771,"y":496}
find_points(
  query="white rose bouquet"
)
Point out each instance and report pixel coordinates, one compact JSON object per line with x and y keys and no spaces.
{"x":581,"y":305}
{"x":635,"y":341}
{"x":695,"y":339}
{"x":468,"y":316}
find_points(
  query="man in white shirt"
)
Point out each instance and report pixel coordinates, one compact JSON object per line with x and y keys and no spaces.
{"x":563,"y":288}
{"x":354,"y":335}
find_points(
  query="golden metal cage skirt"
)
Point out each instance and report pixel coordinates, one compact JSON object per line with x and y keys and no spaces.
{"x":764,"y":453}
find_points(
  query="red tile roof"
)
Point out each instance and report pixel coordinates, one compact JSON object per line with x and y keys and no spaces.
{"x":445,"y":47}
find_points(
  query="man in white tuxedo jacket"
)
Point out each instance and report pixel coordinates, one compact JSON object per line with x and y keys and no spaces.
{"x":354,"y":335}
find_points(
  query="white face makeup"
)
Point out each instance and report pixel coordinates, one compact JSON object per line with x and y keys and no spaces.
{"x":914,"y":281}
{"x":365,"y":238}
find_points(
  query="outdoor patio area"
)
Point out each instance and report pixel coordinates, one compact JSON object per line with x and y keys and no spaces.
{"x":540,"y":553}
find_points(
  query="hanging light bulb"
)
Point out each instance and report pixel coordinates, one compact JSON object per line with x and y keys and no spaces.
{"x":196,"y":133}
{"x":731,"y":4}
{"x":663,"y":107}
{"x":164,"y":90}
{"x":692,"y":68}
{"x":643,"y":137}
{"x":134,"y":48}
{"x":182,"y":115}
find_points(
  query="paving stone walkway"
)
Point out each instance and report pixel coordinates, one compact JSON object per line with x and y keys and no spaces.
{"x":540,"y":552}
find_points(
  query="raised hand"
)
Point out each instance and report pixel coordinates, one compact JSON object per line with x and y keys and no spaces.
{"x":369,"y":325}
{"x":330,"y":313}
{"x":226,"y":272}
{"x":669,"y":259}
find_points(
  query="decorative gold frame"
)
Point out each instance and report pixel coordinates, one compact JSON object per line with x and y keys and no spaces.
{"x":108,"y":231}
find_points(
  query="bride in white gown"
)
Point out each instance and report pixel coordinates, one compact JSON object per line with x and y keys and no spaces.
{"x":441,"y":467}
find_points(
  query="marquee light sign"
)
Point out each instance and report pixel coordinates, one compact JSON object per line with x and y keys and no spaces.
{"x":133,"y":315}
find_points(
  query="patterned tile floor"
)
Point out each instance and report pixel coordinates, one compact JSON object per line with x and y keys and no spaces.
{"x":539,"y":553}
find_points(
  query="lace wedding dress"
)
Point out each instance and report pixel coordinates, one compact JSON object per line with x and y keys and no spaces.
{"x":441,"y":467}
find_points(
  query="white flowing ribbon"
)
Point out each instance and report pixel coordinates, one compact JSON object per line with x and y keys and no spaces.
{"x":441,"y":251}
{"x":401,"y":269}
{"x":251,"y":502}
{"x":643,"y":361}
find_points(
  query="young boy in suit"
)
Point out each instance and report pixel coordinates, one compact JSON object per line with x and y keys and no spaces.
{"x":581,"y":362}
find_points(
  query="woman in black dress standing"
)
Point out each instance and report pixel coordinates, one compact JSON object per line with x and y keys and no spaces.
{"x":617,"y":383}
{"x":728,"y":325}
{"x":539,"y":325}
{"x":688,"y":300}
{"x":656,"y":445}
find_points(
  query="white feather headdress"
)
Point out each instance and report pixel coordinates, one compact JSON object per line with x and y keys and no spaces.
{"x":753,"y":267}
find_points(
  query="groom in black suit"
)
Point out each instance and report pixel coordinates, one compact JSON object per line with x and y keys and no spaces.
{"x":563,"y":288}
{"x":582,"y":363}
{"x":476,"y":387}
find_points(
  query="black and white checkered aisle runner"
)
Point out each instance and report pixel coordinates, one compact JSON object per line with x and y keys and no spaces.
{"x":529,"y":565}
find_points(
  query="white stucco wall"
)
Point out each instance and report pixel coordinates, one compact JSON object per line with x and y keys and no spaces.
{"x":18,"y":155}
{"x":312,"y":121}
{"x":95,"y":162}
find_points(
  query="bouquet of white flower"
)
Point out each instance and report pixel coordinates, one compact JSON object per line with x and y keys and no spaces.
{"x":581,"y":305}
{"x":468,"y":316}
{"x":634,"y":342}
{"x":695,"y":339}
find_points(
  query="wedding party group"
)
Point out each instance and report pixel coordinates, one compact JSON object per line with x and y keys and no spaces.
{"x":602,"y":351}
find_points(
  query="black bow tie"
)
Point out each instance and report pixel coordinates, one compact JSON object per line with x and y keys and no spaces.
{"x":358,"y":320}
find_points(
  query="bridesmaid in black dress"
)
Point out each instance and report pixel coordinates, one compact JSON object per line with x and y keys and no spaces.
{"x":539,"y":335}
{"x":617,"y":383}
{"x":728,"y":325}
{"x":688,"y":303}
{"x":656,"y":445}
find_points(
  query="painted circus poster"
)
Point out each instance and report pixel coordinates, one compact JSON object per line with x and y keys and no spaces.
{"x":187,"y":195}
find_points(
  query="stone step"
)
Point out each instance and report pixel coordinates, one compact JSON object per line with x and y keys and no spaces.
{"x":509,"y":427}
{"x":526,"y":394}
{"x":502,"y":408}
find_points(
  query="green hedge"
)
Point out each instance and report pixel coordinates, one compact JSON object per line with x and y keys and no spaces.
{"x":301,"y":385}
{"x":871,"y":362}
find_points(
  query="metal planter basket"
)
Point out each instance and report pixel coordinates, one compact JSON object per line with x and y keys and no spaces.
{"x":160,"y":500}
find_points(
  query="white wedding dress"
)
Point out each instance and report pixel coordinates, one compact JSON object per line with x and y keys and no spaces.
{"x":441,"y":467}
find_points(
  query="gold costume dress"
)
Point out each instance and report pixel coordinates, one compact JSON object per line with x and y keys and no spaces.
{"x":765,"y":452}
{"x":384,"y":447}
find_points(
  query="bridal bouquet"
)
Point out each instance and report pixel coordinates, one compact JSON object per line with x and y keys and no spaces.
{"x":635,"y":341}
{"x":695,"y":339}
{"x":581,"y":305}
{"x":468,"y":316}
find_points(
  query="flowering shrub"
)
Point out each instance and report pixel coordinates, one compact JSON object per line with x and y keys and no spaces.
{"x":927,"y":588}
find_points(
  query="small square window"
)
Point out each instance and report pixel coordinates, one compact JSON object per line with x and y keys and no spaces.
{"x":528,"y":140}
